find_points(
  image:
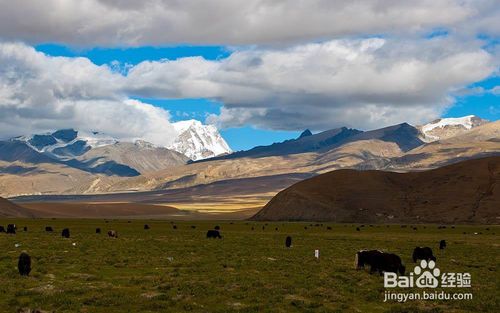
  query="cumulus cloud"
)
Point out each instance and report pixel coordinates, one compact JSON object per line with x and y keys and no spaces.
{"x":233,"y":22}
{"x":364,"y":83}
{"x":41,"y":93}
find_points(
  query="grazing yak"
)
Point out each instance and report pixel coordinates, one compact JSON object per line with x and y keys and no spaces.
{"x":213,"y":233}
{"x":97,"y":230}
{"x":65,"y":233}
{"x":11,"y":229}
{"x":146,"y":226}
{"x":24,"y":264}
{"x":49,"y":229}
{"x":288,"y":242}
{"x":357,"y":229}
{"x":112,"y":234}
{"x":174,"y":227}
{"x":423,"y":253}
{"x":379,"y":261}
{"x":25,"y":228}
{"x":2,"y":229}
{"x":442,"y":244}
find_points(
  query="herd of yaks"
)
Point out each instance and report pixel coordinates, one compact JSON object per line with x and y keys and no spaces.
{"x":379,"y":261}
{"x":24,"y":261}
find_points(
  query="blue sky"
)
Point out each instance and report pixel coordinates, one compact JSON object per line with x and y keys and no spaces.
{"x":485,"y":105}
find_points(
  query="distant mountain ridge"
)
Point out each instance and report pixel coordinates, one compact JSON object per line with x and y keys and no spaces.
{"x":98,"y":153}
{"x":404,"y":135}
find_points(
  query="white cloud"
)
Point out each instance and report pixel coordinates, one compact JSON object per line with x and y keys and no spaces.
{"x":40,"y":93}
{"x":363,"y":83}
{"x":233,"y":22}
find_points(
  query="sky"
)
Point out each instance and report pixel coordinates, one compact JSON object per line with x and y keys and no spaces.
{"x":261,"y":71}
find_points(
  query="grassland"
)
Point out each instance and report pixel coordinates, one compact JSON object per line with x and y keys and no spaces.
{"x":175,"y":270}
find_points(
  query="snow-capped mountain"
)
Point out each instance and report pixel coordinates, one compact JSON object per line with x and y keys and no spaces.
{"x":95,"y":152}
{"x":193,"y":139}
{"x":198,"y":141}
{"x":448,"y":127}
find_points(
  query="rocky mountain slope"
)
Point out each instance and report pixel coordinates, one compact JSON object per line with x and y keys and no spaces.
{"x":140,"y":155}
{"x":465,"y":192}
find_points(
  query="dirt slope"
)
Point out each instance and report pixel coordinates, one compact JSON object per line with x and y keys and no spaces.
{"x":465,"y":192}
{"x":9,"y":209}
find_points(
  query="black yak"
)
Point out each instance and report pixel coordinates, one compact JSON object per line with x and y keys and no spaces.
{"x":2,"y":229}
{"x":423,"y":253}
{"x":25,"y":228}
{"x":97,"y":230}
{"x":49,"y":229}
{"x":174,"y":227}
{"x":357,"y":229}
{"x":442,"y":244}
{"x":288,"y":242}
{"x":112,"y":234}
{"x":328,"y":228}
{"x":379,"y":261}
{"x":213,"y":233}
{"x":193,"y":227}
{"x":11,"y":229}
{"x":146,"y":226}
{"x":65,"y":233}
{"x":24,"y":264}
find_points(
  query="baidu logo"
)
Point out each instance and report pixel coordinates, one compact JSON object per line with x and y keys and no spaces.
{"x":427,"y":275}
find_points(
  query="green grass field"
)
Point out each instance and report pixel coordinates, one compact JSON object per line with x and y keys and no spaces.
{"x":176,"y":270}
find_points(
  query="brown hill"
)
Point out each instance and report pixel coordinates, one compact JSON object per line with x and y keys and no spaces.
{"x":9,"y":209}
{"x":465,"y":192}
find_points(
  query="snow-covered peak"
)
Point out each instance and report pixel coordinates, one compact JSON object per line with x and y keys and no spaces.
{"x":198,"y":141}
{"x":448,"y":127}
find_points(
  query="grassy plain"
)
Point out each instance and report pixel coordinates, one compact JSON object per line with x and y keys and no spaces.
{"x":178,"y":270}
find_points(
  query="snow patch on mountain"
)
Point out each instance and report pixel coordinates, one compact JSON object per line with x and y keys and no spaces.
{"x":198,"y":141}
{"x":66,"y":143}
{"x":448,"y":127}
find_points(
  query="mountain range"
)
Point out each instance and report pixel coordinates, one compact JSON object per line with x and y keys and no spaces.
{"x":98,"y":153}
{"x":243,"y":179}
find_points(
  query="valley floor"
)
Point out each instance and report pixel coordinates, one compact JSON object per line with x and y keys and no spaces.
{"x":178,"y":270}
